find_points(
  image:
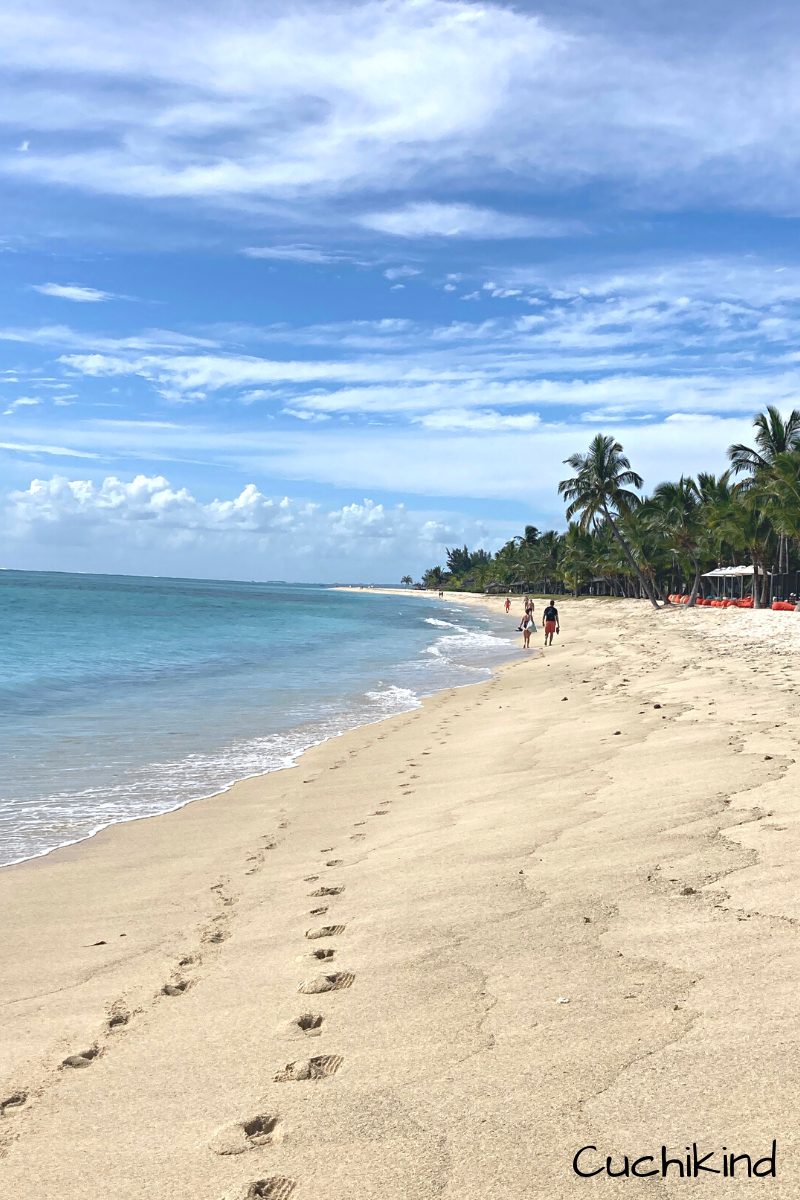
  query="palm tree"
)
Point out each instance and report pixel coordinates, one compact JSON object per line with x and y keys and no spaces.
{"x":407,"y":580}
{"x":774,"y":437}
{"x":579,"y":555}
{"x":781,"y":489}
{"x":674,"y":514}
{"x":600,"y":492}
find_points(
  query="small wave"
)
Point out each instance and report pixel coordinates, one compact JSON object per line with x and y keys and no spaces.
{"x":454,"y":646}
{"x":394,"y":699}
{"x":444,"y":624}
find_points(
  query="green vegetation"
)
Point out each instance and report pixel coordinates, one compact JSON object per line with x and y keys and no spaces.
{"x":619,"y":542}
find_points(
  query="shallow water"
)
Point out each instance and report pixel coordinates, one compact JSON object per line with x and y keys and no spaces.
{"x":122,"y":697}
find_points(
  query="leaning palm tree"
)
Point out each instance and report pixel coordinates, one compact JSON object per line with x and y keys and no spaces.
{"x":774,"y":437}
{"x":600,"y":491}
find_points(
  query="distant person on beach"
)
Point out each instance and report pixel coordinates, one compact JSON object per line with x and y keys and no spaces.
{"x":527,"y":629}
{"x":508,"y":604}
{"x":551,"y":623}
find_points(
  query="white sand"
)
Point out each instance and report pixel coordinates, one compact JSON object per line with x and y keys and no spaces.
{"x":551,"y":835}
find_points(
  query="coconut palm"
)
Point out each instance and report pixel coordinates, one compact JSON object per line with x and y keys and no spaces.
{"x":774,"y":436}
{"x":579,"y":556}
{"x":674,"y":513}
{"x":780,"y":487}
{"x":600,"y":491}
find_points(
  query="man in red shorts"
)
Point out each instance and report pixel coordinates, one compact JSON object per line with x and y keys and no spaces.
{"x":551,"y":625}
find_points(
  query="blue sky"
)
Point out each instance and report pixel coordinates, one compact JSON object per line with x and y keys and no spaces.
{"x":310,"y":292}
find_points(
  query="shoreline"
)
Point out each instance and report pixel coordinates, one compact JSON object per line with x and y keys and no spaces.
{"x":553,"y":887}
{"x":296,"y":759}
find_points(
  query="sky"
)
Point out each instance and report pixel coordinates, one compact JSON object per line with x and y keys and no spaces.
{"x":310,"y":292}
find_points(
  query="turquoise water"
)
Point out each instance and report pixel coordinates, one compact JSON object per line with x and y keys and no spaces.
{"x":122,"y":697}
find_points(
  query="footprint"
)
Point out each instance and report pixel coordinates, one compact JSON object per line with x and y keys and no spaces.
{"x":277,"y":1187}
{"x":323,"y":954}
{"x":117,"y":1018}
{"x":216,"y":936}
{"x":175,"y":989}
{"x":357,"y":837}
{"x":309,"y":1024}
{"x":84,"y":1059}
{"x":325,"y":932}
{"x":329,"y":891}
{"x":334,"y":862}
{"x":239,"y":1136}
{"x":381,"y":812}
{"x":310,"y":878}
{"x":321,"y":1067}
{"x":357,"y":823}
{"x":15,"y":1100}
{"x":326,"y":849}
{"x":327,"y":983}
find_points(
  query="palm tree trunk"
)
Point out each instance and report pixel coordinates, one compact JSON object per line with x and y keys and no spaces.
{"x":626,"y":550}
{"x":696,"y":585}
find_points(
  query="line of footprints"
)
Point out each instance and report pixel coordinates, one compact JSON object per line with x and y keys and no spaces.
{"x":267,"y":1129}
{"x":263,"y":1129}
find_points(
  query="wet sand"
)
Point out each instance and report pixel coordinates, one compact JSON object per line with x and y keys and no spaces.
{"x":441,"y":954}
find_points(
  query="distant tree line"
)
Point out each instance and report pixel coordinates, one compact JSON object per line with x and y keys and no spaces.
{"x":623,"y":543}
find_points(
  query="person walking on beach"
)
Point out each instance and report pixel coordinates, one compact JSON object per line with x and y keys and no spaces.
{"x":551,"y":623}
{"x":508,"y":604}
{"x":527,"y":629}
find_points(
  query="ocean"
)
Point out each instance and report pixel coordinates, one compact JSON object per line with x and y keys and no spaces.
{"x":123,"y":697}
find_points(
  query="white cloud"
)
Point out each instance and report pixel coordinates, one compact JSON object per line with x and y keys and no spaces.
{"x":429,"y":219}
{"x":147,"y":515}
{"x":22,"y":402}
{"x":482,"y":420}
{"x":275,"y":101}
{"x":72,"y":291}
{"x":184,"y":374}
{"x":401,"y":272}
{"x":65,"y":336}
{"x":30,"y":447}
{"x":301,"y":254}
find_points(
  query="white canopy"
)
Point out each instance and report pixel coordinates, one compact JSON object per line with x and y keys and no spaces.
{"x":728,"y":572}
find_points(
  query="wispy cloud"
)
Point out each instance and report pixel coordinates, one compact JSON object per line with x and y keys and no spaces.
{"x":73,"y":292}
{"x":299,"y":254}
{"x":279,"y":103}
{"x":429,"y":219}
{"x":22,"y":402}
{"x":394,"y":273}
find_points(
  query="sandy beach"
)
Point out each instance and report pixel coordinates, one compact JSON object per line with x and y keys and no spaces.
{"x":443,"y":953}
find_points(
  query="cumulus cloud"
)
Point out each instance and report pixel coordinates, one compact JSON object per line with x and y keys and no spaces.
{"x":148,"y":513}
{"x":73,"y":292}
